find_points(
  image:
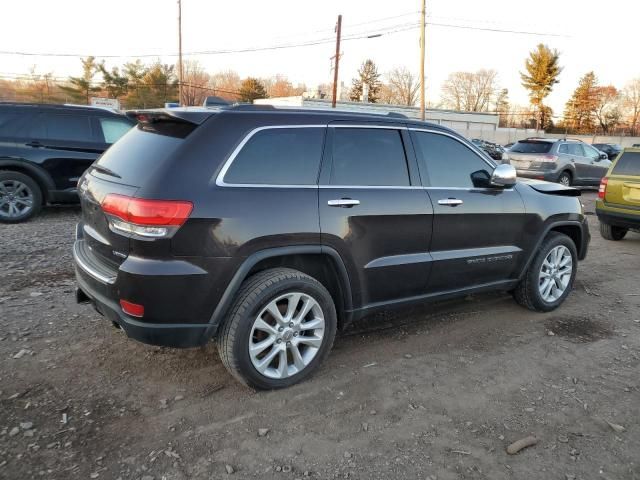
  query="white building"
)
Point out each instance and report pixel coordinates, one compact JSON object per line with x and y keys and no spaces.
{"x":469,"y":124}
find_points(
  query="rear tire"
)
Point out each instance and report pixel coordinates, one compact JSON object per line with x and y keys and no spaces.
{"x":565,"y":179}
{"x":531,"y":292}
{"x":267,"y":350}
{"x":20,"y":197}
{"x":609,"y":232}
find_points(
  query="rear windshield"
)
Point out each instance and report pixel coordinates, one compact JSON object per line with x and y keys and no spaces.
{"x":528,"y":146}
{"x":136,"y":155}
{"x":628,"y":164}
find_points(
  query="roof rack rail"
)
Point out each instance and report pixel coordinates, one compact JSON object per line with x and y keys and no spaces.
{"x":250,"y":107}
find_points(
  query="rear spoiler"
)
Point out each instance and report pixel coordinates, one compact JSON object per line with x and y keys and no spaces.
{"x":193,"y":116}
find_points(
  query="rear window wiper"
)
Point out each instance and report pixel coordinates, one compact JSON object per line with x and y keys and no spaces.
{"x":105,"y":170}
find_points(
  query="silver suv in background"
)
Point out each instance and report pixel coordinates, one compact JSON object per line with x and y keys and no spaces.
{"x":569,"y":162}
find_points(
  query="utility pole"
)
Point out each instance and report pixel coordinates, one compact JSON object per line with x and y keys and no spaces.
{"x":422,"y":45}
{"x":337,"y":62}
{"x":180,"y":52}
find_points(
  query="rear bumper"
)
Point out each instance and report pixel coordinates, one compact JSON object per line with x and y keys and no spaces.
{"x":163,"y":334}
{"x":176,"y":294}
{"x":618,"y":219}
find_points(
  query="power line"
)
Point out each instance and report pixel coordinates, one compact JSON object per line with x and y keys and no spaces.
{"x":356,"y":36}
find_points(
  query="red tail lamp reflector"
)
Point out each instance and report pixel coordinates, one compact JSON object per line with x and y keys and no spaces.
{"x":132,"y":309}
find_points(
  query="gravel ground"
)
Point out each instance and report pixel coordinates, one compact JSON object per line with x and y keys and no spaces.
{"x":435,"y":392}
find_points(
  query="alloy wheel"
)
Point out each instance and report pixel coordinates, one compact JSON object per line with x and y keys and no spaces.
{"x":16,"y":199}
{"x":555,"y":273}
{"x":286,"y":335}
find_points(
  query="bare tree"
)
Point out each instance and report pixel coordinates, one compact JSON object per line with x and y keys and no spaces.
{"x":402,"y":87}
{"x":607,"y":110}
{"x":225,"y":84}
{"x":195,"y":83}
{"x":631,"y":103}
{"x":470,"y":92}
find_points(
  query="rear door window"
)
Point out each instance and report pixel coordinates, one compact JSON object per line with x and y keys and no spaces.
{"x":529,"y":146}
{"x":111,"y":129}
{"x":68,"y":127}
{"x":368,"y":157}
{"x":575,"y":149}
{"x":628,"y":164}
{"x":278,"y":156}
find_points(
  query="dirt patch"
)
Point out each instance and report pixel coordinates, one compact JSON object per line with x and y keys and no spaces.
{"x":578,"y":329}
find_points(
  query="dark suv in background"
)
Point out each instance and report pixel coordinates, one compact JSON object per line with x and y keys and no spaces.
{"x":611,"y":149}
{"x":44,"y":149}
{"x":569,"y":162}
{"x":269,"y":229}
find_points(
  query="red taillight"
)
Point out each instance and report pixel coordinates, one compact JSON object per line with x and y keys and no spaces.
{"x":603,"y":188}
{"x":553,"y":158}
{"x":147,"y":212}
{"x":132,"y":309}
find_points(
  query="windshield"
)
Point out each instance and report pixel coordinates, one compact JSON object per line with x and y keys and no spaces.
{"x":528,"y":146}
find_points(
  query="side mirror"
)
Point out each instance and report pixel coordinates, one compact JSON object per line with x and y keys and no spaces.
{"x":504,"y":175}
{"x":603,"y":156}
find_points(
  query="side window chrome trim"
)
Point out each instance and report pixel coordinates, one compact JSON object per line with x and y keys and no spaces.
{"x":354,"y":125}
{"x":227,"y":164}
{"x":469,"y":145}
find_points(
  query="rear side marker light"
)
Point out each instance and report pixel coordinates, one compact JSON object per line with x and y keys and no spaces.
{"x":602,"y":190}
{"x":146,"y":218}
{"x":132,"y":309}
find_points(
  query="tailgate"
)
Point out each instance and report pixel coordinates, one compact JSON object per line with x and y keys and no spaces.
{"x":623,"y":191}
{"x":623,"y":184}
{"x":107,"y":246}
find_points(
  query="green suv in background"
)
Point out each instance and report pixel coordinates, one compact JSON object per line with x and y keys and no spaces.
{"x":618,"y":204}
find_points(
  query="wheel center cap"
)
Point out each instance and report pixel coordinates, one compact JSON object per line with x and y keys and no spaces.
{"x":287,"y":335}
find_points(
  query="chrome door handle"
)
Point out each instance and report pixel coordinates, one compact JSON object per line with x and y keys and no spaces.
{"x":343,"y":202}
{"x":451,"y":202}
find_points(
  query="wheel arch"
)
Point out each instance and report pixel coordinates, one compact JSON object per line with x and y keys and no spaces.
{"x":39,"y":175}
{"x":573,"y":229}
{"x":320,"y":262}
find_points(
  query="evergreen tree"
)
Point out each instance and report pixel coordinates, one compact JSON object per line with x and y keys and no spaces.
{"x":541,"y":74}
{"x":251,"y":89}
{"x":80,"y":89}
{"x":368,"y":73}
{"x":115,"y":83}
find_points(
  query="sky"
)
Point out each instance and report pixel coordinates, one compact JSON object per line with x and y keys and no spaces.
{"x":589,"y":34}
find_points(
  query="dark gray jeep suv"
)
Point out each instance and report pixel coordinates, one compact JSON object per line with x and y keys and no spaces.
{"x":271,"y":229}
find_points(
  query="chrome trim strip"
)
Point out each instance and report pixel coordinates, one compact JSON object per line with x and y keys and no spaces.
{"x":90,"y":271}
{"x":385,"y":187}
{"x":469,"y":145}
{"x":441,"y":255}
{"x":227,"y":164}
{"x":358,"y":125}
{"x":399,"y":260}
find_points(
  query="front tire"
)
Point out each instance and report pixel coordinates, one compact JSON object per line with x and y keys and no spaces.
{"x":550,"y":276}
{"x":20,"y":197}
{"x":609,"y":232}
{"x":281,"y":327}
